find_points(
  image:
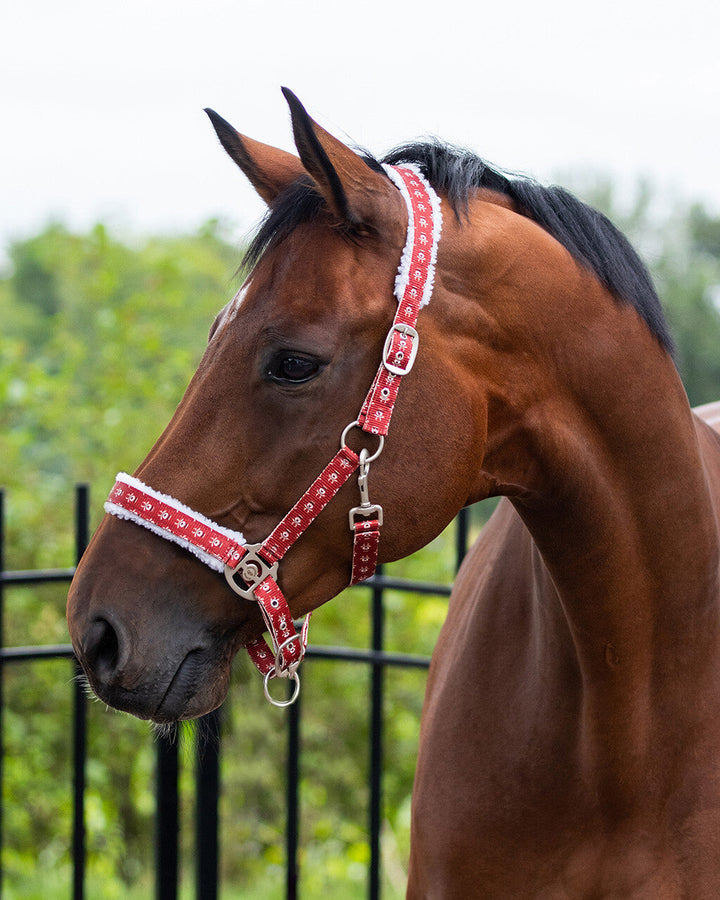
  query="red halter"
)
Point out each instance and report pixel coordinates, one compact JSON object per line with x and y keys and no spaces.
{"x":255,"y":565}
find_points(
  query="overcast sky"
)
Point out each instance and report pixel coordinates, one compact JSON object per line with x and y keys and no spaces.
{"x":102,"y":103}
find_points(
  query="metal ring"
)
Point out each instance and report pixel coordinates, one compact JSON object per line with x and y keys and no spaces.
{"x":356,"y":424}
{"x":281,"y":704}
{"x":280,"y":671}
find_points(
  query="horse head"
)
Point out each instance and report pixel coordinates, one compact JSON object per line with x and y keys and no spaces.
{"x":287,"y":365}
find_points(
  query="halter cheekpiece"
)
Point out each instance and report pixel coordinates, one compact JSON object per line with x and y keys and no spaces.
{"x":251,"y":569}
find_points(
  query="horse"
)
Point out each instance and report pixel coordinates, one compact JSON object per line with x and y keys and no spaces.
{"x":570,"y":734}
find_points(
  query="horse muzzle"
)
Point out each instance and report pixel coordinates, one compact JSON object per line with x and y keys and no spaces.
{"x":177,"y":687}
{"x":173,"y":661}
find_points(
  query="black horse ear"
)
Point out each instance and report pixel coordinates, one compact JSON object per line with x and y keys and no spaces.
{"x":355,"y":193}
{"x":269,"y":169}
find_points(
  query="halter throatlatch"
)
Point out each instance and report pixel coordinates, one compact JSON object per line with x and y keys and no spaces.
{"x":251,"y":570}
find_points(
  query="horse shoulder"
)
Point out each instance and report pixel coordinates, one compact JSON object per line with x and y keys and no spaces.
{"x":497,"y":729}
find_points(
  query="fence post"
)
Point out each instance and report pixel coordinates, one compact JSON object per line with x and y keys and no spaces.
{"x":292,"y":837}
{"x":2,"y":679}
{"x":206,"y":806}
{"x":82,"y":503}
{"x":167,"y":824}
{"x":377,"y":690}
{"x":462,"y":531}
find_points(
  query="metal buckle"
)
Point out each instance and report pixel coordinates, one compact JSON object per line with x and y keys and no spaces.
{"x":253,"y":570}
{"x":400,"y":367}
{"x":366,"y":508}
{"x":372,"y":509}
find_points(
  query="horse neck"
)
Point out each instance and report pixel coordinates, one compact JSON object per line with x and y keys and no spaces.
{"x":626,"y":528}
{"x":590,"y":433}
{"x":623,"y":516}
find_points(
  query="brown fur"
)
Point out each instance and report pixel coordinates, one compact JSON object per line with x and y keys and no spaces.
{"x":571,"y":731}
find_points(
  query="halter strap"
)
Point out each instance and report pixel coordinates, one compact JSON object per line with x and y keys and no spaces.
{"x":251,"y":569}
{"x":413,"y":289}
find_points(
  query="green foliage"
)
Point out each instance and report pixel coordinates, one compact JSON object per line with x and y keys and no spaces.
{"x":98,"y":339}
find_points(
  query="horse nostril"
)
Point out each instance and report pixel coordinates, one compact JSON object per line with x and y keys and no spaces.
{"x":102,"y":649}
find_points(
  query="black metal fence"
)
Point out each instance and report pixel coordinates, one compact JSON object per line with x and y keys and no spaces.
{"x":207,"y":774}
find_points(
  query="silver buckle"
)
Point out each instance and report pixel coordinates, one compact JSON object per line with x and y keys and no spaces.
{"x":366,"y":508}
{"x":400,"y":366}
{"x":366,"y":511}
{"x":253,"y":570}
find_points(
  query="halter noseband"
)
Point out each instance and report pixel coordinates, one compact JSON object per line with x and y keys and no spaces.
{"x":251,"y":569}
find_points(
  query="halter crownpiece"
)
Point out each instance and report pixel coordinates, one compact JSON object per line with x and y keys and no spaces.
{"x":251,"y":569}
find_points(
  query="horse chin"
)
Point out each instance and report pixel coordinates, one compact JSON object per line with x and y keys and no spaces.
{"x":198,"y":686}
{"x":193,"y":690}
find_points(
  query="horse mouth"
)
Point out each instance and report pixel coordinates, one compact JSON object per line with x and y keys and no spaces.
{"x":182,"y":688}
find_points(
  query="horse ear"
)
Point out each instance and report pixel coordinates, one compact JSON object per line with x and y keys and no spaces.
{"x":269,"y":170}
{"x":353,"y":191}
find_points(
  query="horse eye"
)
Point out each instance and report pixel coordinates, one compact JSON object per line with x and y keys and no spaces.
{"x":289,"y":368}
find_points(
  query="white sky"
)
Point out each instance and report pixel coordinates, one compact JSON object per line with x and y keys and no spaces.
{"x":102,"y":103}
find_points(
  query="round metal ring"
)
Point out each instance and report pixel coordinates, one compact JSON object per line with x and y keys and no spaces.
{"x":281,"y":704}
{"x":356,"y":424}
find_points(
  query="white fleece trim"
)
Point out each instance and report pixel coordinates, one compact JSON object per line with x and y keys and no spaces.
{"x":122,"y":513}
{"x":402,"y":278}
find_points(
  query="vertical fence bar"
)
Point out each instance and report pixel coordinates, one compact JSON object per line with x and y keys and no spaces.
{"x":462,"y":530}
{"x":206,"y":806}
{"x":377,"y":690}
{"x":292,"y":837}
{"x":2,"y":682}
{"x":82,"y":504}
{"x":167,"y":823}
{"x":79,"y":756}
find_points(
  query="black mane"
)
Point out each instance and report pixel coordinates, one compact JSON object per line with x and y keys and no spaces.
{"x":585,"y":232}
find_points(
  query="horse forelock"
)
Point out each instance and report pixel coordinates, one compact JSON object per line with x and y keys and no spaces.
{"x":457,"y":174}
{"x":297,"y":205}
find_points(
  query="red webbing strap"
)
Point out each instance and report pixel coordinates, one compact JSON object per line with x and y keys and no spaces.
{"x":413,"y":287}
{"x":219,"y":547}
{"x":310,"y":505}
{"x":169,"y":518}
{"x":380,"y":401}
{"x":216,"y":546}
{"x":290,"y":646}
{"x":366,"y":544}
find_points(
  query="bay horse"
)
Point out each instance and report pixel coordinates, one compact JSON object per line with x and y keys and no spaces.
{"x":570,"y":737}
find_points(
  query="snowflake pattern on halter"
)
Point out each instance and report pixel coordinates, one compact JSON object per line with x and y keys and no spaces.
{"x":413,"y":290}
{"x":213,"y":544}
